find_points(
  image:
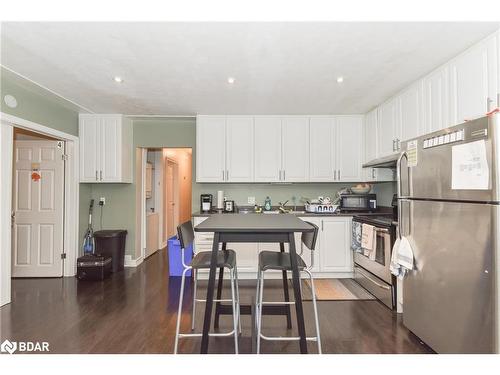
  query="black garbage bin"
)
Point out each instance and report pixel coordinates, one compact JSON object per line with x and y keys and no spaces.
{"x":111,"y":243}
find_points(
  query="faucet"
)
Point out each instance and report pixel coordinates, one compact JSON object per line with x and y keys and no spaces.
{"x":282,"y":208}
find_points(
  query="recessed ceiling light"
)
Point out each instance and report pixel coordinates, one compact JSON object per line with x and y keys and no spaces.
{"x":118,"y":79}
{"x":340,"y":79}
{"x":230,"y":80}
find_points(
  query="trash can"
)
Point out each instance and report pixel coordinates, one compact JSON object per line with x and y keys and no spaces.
{"x":175,"y":267}
{"x":112,"y":243}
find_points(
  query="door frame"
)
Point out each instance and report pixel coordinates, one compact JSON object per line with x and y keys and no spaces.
{"x":71,"y":197}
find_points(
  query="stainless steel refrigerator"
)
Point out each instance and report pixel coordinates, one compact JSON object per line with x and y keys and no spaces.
{"x":448,"y":191}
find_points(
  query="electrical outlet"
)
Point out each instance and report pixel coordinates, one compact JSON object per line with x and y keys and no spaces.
{"x":251,"y":200}
{"x":102,"y":201}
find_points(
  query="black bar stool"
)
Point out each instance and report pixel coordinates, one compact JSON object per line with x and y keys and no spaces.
{"x":225,"y":259}
{"x":280,"y":261}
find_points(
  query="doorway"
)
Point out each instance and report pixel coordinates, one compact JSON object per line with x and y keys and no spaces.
{"x":37,"y":219}
{"x":164,"y":199}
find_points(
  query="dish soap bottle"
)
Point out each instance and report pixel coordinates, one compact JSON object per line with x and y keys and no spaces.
{"x":267,"y":204}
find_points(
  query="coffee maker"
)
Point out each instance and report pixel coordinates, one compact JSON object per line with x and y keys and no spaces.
{"x":206,"y":202}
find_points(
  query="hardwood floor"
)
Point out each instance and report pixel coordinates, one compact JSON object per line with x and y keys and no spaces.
{"x":135,"y":311}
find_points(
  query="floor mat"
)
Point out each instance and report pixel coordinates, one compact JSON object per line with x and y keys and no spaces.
{"x":336,"y":290}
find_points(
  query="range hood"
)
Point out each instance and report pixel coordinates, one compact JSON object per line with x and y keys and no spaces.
{"x":388,"y":161}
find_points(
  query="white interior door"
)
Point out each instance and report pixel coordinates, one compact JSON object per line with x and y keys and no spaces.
{"x":38,"y":188}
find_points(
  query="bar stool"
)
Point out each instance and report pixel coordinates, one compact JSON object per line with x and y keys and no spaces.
{"x":225,"y":259}
{"x":279,"y":261}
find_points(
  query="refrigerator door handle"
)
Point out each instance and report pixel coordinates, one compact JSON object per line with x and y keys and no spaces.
{"x":398,"y":169}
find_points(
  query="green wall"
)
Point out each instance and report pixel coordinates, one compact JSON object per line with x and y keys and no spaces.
{"x":37,"y":104}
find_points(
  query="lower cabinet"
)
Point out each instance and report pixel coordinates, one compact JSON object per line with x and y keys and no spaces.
{"x":332,"y":256}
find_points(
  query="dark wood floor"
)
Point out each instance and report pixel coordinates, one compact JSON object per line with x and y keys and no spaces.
{"x":135,"y":312}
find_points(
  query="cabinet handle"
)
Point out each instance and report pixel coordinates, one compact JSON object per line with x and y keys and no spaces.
{"x":399,"y":144}
{"x":96,"y":178}
{"x":223,"y":175}
{"x":393,"y":145}
{"x":227,"y":175}
{"x":100,"y":173}
{"x":334,"y":174}
{"x":373,"y":173}
{"x":322,"y":226}
{"x":339,"y":174}
{"x":284,"y":178}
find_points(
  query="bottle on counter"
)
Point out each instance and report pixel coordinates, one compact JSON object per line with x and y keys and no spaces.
{"x":267,"y":204}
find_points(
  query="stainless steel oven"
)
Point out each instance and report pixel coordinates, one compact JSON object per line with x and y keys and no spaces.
{"x":373,"y":271}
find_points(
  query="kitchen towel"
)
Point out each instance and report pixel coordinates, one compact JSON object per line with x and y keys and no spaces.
{"x":401,"y":258}
{"x":369,"y":240}
{"x":356,"y":237}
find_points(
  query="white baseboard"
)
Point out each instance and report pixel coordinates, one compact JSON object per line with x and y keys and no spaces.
{"x":129,"y":262}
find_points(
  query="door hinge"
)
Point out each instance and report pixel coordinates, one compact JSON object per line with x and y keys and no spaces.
{"x":63,"y":256}
{"x":64,"y":157}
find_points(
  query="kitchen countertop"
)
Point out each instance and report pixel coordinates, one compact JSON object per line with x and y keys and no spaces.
{"x":380,"y":211}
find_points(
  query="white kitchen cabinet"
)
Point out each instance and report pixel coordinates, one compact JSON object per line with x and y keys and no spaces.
{"x":437,"y":100}
{"x":474,"y":81}
{"x":388,"y":127}
{"x":348,"y":145}
{"x":210,"y":149}
{"x":267,"y":153}
{"x":239,"y":149}
{"x":336,"y":145}
{"x":295,"y":149}
{"x":411,"y":109}
{"x":322,"y":150}
{"x":335,"y":249}
{"x":106,"y":148}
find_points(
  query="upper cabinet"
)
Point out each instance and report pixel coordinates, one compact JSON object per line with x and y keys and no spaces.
{"x":437,"y":100}
{"x":474,"y":81}
{"x":412,"y":122}
{"x":388,"y":127}
{"x":239,"y":149}
{"x":295,"y":149}
{"x":349,"y":146}
{"x":224,"y":149}
{"x":267,"y":149}
{"x":336,"y":145}
{"x":106,"y":148}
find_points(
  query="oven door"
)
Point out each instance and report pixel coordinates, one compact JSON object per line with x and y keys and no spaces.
{"x":380,"y":267}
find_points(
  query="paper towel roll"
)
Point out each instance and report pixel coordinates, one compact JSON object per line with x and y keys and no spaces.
{"x":220,"y":199}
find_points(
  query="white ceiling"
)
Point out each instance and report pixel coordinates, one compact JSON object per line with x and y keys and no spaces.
{"x":280,"y":68}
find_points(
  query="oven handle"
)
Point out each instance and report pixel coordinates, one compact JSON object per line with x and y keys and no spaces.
{"x":358,"y":269}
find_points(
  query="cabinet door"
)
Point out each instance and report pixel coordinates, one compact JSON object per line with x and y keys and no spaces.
{"x":267,"y":149}
{"x":387,"y":127}
{"x":370,"y":135}
{"x":239,"y":149}
{"x":474,"y":82}
{"x":349,"y":148}
{"x":111,"y":149}
{"x":89,"y":134}
{"x":295,"y":143}
{"x":412,"y":119}
{"x":210,"y":149}
{"x":436,"y":100}
{"x":336,"y":255}
{"x":247,"y":255}
{"x":321,"y":149}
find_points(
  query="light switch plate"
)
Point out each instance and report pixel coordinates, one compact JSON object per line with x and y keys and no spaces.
{"x":251,"y":200}
{"x":102,"y":201}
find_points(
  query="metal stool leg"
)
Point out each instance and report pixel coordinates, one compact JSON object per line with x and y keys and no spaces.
{"x":179,"y":312}
{"x":316,"y":318}
{"x":193,"y":313}
{"x":259,"y":309}
{"x":238,"y":309}
{"x":235,"y":313}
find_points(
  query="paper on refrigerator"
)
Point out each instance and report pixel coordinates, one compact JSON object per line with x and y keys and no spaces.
{"x":470,"y":169}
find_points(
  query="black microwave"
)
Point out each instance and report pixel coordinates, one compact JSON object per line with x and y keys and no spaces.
{"x":358,"y":202}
